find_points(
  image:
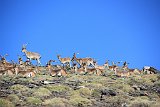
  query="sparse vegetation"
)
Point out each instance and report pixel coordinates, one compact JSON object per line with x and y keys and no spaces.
{"x":33,"y":101}
{"x":80,"y":90}
{"x":56,"y":102}
{"x":80,"y":101}
{"x":6,"y":103}
{"x":41,"y":92}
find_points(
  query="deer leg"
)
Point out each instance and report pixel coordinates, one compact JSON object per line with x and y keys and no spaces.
{"x":39,"y":63}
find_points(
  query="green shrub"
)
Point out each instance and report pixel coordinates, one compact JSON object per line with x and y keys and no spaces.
{"x":33,"y":101}
{"x":93,"y":85}
{"x":80,"y":101}
{"x":19,"y":88}
{"x":85,"y":92}
{"x":41,"y":92}
{"x":13,"y":98}
{"x":140,"y":102}
{"x":116,"y":101}
{"x":5,"y":103}
{"x":96,"y":93}
{"x":56,"y":102}
{"x":58,"y":88}
{"x":122,"y":86}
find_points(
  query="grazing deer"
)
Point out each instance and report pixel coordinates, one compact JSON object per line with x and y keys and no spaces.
{"x":64,"y":60}
{"x":31,"y":55}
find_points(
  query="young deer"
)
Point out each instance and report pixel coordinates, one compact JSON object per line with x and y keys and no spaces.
{"x":31,"y":55}
{"x":64,"y":60}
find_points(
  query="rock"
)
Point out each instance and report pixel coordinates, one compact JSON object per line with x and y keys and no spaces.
{"x":108,"y":92}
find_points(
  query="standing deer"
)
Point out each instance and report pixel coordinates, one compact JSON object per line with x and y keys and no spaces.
{"x":83,"y":61}
{"x":64,"y":60}
{"x":31,"y":55}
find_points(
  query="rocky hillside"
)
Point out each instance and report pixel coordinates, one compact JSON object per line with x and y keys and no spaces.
{"x":80,"y":91}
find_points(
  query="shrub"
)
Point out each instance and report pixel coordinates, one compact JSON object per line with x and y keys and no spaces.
{"x":33,"y":101}
{"x":96,"y":93}
{"x":80,"y":101}
{"x":58,"y":88}
{"x":41,"y":92}
{"x":19,"y":88}
{"x":85,"y":92}
{"x":140,"y":102}
{"x":5,"y":103}
{"x":56,"y":102}
{"x":116,"y":101}
{"x":13,"y":98}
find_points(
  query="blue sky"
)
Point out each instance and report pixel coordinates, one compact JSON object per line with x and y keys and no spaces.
{"x":118,"y":30}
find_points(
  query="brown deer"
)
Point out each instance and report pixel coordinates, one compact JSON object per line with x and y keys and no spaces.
{"x":121,"y":73}
{"x":28,"y":72}
{"x":59,"y":71}
{"x":31,"y":55}
{"x":79,"y":70}
{"x":64,"y":60}
{"x":83,"y":61}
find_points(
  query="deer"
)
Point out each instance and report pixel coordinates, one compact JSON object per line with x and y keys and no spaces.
{"x":31,"y":55}
{"x":125,"y":66}
{"x":121,"y":73}
{"x":59,"y":71}
{"x":25,"y":73}
{"x":82,"y":61}
{"x":3,"y":60}
{"x":64,"y":60}
{"x":113,"y":67}
{"x":134,"y":71}
{"x":80,"y":70}
{"x":106,"y":64}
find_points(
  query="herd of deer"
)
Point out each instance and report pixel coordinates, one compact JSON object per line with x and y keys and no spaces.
{"x":79,"y":66}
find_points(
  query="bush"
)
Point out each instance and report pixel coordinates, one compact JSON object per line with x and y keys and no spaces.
{"x":116,"y":101}
{"x":123,"y":87}
{"x":58,"y":88}
{"x":41,"y":92}
{"x":13,"y":98}
{"x":5,"y":103}
{"x":56,"y":102}
{"x":96,"y":93}
{"x":19,"y":88}
{"x":140,"y":102}
{"x":85,"y":92}
{"x":80,"y":102}
{"x":33,"y":101}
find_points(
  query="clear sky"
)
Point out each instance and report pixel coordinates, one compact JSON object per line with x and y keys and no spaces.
{"x":118,"y":30}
